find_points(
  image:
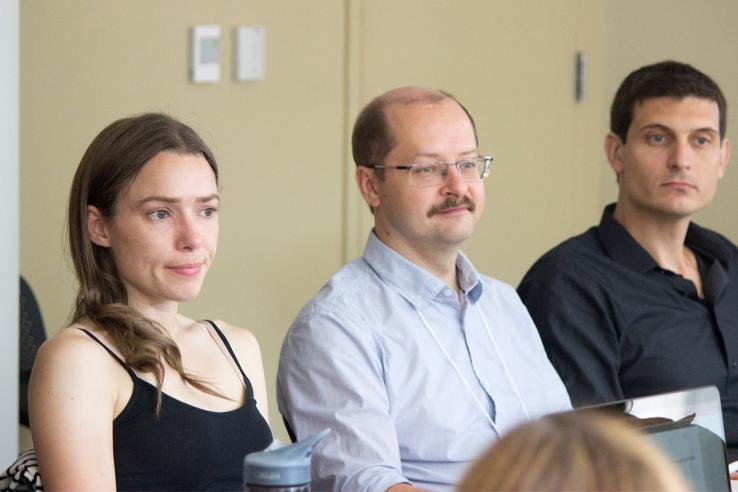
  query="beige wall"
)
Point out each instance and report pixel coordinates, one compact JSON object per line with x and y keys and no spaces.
{"x":291,"y":214}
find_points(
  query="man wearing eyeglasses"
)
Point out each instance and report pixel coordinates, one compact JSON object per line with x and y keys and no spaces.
{"x":413,"y":359}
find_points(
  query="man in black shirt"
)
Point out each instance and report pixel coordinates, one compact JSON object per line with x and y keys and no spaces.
{"x":647,"y":301}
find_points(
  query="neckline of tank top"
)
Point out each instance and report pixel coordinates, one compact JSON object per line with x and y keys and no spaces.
{"x":248,"y":402}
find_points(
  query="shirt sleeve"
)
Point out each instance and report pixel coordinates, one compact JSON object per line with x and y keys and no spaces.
{"x":331,"y":375}
{"x":578,"y":324}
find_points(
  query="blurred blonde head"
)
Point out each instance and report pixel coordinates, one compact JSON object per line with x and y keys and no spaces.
{"x":574,"y":452}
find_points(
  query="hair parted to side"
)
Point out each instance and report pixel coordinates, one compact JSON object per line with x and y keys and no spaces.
{"x":107,"y":169}
{"x":663,"y":79}
{"x":572,"y":452}
{"x":372,"y":138}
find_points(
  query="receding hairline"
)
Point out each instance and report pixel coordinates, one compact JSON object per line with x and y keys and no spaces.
{"x":408,"y":96}
{"x":373,"y":135}
{"x":405,"y":96}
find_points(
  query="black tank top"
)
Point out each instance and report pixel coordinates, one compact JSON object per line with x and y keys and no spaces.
{"x":187,"y":448}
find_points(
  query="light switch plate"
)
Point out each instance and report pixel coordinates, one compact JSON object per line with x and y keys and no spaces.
{"x":250,"y":53}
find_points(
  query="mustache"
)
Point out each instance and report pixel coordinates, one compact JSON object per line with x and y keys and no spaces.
{"x":452,"y":203}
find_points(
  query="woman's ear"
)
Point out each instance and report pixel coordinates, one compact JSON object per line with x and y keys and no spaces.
{"x":97,"y":228}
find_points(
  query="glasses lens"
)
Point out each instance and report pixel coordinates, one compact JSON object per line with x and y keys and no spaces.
{"x":425,"y":174}
{"x":470,"y":169}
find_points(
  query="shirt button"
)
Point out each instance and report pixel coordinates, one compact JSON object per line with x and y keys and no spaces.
{"x":735,"y":364}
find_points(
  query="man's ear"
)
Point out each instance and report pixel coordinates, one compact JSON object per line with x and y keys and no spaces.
{"x":366,"y":179}
{"x":613,"y":152}
{"x":724,"y":156}
{"x":97,"y":228}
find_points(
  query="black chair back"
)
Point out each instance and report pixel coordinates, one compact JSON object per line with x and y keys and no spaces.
{"x":32,"y":335}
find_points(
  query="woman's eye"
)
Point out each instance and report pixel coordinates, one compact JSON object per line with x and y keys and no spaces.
{"x":159,"y":214}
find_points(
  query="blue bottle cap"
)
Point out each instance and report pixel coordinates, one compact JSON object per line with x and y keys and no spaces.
{"x":284,"y":466}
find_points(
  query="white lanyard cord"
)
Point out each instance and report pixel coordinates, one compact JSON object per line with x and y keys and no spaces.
{"x":458,"y":372}
{"x":504,"y":365}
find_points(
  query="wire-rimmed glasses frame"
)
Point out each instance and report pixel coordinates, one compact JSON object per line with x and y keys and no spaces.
{"x":433,"y":174}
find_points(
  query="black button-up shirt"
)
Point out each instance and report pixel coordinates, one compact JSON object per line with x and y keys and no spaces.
{"x":616,"y":325}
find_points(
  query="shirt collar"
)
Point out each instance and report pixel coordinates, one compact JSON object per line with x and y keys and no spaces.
{"x":625,"y":250}
{"x":412,"y":282}
{"x":621,"y":246}
{"x":717,"y":256}
{"x":703,"y":242}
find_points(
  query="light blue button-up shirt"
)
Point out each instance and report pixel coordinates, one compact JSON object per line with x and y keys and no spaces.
{"x":360,"y":360}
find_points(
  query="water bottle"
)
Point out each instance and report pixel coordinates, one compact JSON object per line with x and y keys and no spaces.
{"x":281,"y":468}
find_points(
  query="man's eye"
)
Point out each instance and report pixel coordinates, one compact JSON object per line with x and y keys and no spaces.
{"x":429,"y":169}
{"x":703,"y":140}
{"x":469,"y":165}
{"x":657,"y":138}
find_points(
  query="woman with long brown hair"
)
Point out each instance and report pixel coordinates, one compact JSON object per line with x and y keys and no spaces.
{"x":133,"y":395}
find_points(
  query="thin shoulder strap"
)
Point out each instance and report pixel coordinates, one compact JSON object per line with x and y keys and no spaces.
{"x":233,"y":355}
{"x":115,"y":356}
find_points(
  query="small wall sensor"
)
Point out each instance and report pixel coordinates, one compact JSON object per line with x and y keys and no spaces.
{"x":205,"y":54}
{"x":581,"y":77}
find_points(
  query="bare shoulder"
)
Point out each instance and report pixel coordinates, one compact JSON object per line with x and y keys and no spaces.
{"x":242,"y":339}
{"x":247,"y":350}
{"x":245,"y":346}
{"x":71,"y":366}
{"x":71,"y":346}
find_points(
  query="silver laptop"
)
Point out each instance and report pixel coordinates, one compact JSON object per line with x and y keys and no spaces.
{"x":688,"y":426}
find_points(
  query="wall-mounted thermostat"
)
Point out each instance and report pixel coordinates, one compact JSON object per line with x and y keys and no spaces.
{"x":205,"y":54}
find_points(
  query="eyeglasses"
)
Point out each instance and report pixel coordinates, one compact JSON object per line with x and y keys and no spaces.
{"x":434,"y":174}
